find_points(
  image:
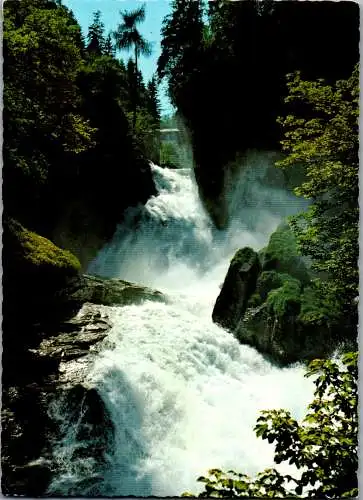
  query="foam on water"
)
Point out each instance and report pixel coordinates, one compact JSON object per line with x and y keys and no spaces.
{"x":182,"y":393}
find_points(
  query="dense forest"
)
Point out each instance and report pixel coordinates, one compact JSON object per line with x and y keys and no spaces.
{"x":226,"y":65}
{"x":81,"y":128}
{"x":79,"y":122}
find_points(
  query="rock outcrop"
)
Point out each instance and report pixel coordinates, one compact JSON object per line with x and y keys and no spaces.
{"x":54,"y":319}
{"x":110,"y":292}
{"x":268,"y":302}
{"x":38,"y":376}
{"x":238,"y":286}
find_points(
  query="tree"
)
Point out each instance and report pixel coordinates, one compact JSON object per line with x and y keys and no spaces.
{"x":181,"y":46}
{"x":96,"y":39}
{"x":127,"y":36}
{"x":324,"y":446}
{"x":153,"y":104}
{"x":322,"y":133}
{"x":43,"y":129}
{"x":109,"y":49}
{"x":226,"y":73}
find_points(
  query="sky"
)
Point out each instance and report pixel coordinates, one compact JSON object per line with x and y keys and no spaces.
{"x":156,"y":10}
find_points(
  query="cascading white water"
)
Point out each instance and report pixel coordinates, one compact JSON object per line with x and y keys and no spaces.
{"x":182,"y":393}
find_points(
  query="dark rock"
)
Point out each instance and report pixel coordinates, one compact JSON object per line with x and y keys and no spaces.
{"x":75,"y":337}
{"x":26,"y":430}
{"x":31,"y":382}
{"x":112,"y":292}
{"x":92,"y":439}
{"x":32,"y":479}
{"x":238,"y":286}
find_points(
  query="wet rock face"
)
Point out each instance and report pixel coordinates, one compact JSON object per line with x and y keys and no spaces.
{"x":81,"y":412}
{"x":36,"y":376}
{"x":75,"y":337}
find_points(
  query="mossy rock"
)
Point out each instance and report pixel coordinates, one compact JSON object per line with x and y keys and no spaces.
{"x":39,"y":278}
{"x":40,"y":252}
{"x":282,"y":255}
{"x":267,"y":281}
{"x":293,"y":324}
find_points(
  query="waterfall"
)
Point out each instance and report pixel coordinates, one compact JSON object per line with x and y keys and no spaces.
{"x":183,"y":395}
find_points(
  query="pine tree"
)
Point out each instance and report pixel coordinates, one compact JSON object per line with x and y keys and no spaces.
{"x":96,"y":39}
{"x":109,"y":48}
{"x":153,"y":103}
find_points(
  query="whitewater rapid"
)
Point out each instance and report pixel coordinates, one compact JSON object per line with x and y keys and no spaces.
{"x":182,"y":393}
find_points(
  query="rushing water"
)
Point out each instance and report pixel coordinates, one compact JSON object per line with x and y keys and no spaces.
{"x":182,"y":393}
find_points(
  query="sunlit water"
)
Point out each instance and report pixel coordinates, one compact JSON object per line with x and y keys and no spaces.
{"x":183,"y":394}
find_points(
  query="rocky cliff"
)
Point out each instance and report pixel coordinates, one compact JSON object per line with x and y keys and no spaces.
{"x":268,"y":300}
{"x":54,"y":322}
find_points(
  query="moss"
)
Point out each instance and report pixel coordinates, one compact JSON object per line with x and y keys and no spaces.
{"x":40,"y":276}
{"x":40,"y":252}
{"x":267,"y":281}
{"x":282,"y":243}
{"x":243,"y":256}
{"x":282,"y":255}
{"x":286,"y":299}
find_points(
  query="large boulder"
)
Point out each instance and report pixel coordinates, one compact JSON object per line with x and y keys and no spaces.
{"x":274,"y":306}
{"x":39,"y":281}
{"x":237,"y":288}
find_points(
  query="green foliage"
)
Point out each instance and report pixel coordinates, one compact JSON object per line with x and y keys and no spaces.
{"x":266,"y":281}
{"x":146,"y":134}
{"x":318,"y":308}
{"x":217,"y":67}
{"x":127,"y":36}
{"x":243,"y":256}
{"x":286,"y":299}
{"x":96,"y":39}
{"x":44,"y":131}
{"x":323,"y":446}
{"x":282,"y":243}
{"x":65,"y":114}
{"x":323,"y":134}
{"x":282,"y":254}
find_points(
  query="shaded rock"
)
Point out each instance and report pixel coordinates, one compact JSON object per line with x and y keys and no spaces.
{"x":81,"y":413}
{"x":26,"y":430}
{"x":75,"y":337}
{"x":32,"y":381}
{"x":237,"y":288}
{"x":32,"y":479}
{"x":39,"y":278}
